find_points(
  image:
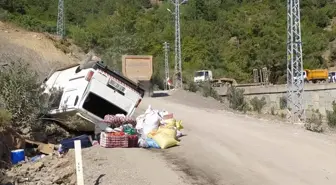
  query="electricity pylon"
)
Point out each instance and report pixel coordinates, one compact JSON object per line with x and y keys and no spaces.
{"x":60,"y":19}
{"x":295,"y":81}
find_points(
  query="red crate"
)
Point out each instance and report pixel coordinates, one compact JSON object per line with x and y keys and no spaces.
{"x":114,"y":140}
{"x":132,"y":141}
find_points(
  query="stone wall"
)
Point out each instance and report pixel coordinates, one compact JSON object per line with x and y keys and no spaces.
{"x":316,"y":96}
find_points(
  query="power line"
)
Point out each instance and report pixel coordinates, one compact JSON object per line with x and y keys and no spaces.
{"x":60,"y":19}
{"x":295,"y":81}
{"x":166,"y":60}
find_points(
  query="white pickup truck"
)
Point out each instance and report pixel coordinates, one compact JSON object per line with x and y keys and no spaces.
{"x":91,"y":92}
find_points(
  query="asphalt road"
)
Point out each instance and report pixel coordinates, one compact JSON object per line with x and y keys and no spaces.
{"x":224,"y":148}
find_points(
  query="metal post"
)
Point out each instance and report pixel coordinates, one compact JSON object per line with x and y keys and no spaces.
{"x":178,"y":56}
{"x":60,"y":19}
{"x":166,"y":49}
{"x":261,"y":77}
{"x":265,"y":75}
{"x":255,"y":76}
{"x":295,"y":81}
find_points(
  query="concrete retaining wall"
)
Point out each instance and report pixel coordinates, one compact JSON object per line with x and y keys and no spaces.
{"x":316,"y":96}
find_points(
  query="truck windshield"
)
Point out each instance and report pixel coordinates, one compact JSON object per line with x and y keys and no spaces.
{"x":199,"y":73}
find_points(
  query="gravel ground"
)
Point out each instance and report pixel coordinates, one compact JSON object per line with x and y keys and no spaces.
{"x":195,"y":100}
{"x":220,"y":148}
{"x":224,"y":148}
{"x":127,"y":167}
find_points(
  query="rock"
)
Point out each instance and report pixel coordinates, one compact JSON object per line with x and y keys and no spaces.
{"x":47,"y":171}
{"x":37,"y":166}
{"x":21,"y":180}
{"x":60,"y":164}
{"x":25,"y":131}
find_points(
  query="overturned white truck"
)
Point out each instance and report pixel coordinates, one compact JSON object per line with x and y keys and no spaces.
{"x":90,"y":92}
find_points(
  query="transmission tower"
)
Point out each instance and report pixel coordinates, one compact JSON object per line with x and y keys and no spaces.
{"x":60,"y":19}
{"x":178,"y":63}
{"x":295,"y":81}
{"x":166,"y":50}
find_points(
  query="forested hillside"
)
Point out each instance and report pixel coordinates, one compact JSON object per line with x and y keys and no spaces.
{"x":231,"y":37}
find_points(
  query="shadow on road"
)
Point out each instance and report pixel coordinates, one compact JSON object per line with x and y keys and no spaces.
{"x":160,"y":94}
{"x":98,"y":179}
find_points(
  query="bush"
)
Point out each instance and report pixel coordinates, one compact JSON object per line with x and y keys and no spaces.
{"x":283,"y":102}
{"x":5,"y":118}
{"x":236,"y":99}
{"x":191,"y":86}
{"x":208,"y":90}
{"x":331,"y":115}
{"x":273,"y":111}
{"x":314,"y":123}
{"x":21,"y":95}
{"x":63,"y":45}
{"x":258,"y":104}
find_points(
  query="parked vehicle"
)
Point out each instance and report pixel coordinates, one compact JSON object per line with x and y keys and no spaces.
{"x":332,"y":77}
{"x":90,"y":92}
{"x":139,"y":68}
{"x":206,"y":75}
{"x":317,"y":75}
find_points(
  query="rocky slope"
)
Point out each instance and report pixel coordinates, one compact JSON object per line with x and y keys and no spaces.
{"x":43,"y":51}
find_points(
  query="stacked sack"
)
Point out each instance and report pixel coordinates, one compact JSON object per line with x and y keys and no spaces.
{"x":118,"y":120}
{"x":158,"y":129}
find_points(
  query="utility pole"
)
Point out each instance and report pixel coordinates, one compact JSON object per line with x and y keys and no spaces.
{"x":60,"y":19}
{"x":178,"y":63}
{"x":255,"y":76}
{"x":166,"y":60}
{"x":295,"y":81}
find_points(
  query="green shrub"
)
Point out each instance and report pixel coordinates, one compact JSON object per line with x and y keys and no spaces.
{"x":273,"y":111}
{"x":191,"y":86}
{"x":331,"y":115}
{"x":208,"y":90}
{"x":5,"y":118}
{"x":21,"y":94}
{"x":283,"y":102}
{"x":314,"y":123}
{"x":258,"y":104}
{"x":236,"y":99}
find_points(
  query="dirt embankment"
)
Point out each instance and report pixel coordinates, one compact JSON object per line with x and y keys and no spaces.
{"x":43,"y":51}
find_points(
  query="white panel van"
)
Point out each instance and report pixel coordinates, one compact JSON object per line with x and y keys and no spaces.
{"x":91,"y":92}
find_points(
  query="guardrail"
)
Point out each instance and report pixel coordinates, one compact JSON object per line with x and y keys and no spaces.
{"x":276,"y":89}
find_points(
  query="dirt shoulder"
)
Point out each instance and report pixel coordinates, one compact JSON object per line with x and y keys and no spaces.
{"x":234,"y":149}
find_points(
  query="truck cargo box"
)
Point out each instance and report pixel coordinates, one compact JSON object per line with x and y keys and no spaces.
{"x":317,"y":75}
{"x":139,"y":68}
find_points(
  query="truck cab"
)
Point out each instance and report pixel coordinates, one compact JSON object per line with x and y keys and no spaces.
{"x":91,"y":92}
{"x":202,"y":76}
{"x":332,"y":76}
{"x":304,"y":76}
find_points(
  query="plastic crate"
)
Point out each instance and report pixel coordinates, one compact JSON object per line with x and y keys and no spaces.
{"x":114,"y":140}
{"x":132,"y":141}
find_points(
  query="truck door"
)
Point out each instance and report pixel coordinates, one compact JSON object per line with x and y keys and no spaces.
{"x":73,"y":91}
{"x":206,"y":76}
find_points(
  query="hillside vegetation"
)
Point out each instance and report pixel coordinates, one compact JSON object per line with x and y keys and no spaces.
{"x":231,"y":37}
